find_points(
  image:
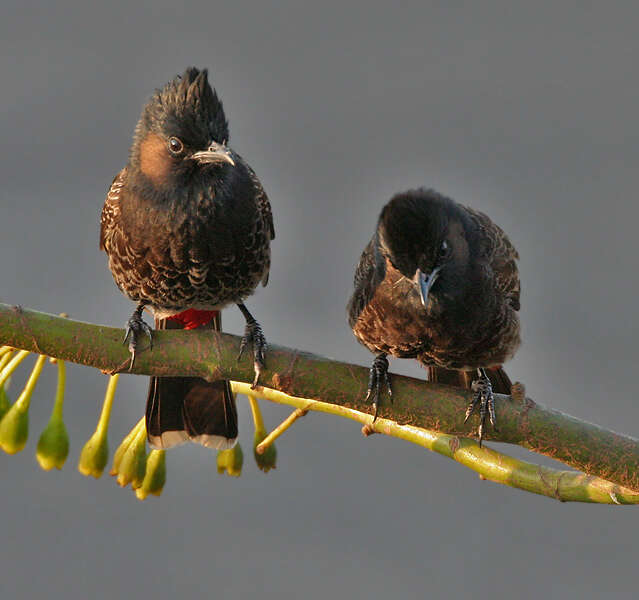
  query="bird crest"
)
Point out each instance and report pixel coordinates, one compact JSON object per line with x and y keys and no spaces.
{"x":188,"y":108}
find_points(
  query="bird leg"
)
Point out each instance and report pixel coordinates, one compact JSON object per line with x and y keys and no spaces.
{"x":378,"y":375}
{"x":253,"y":335}
{"x":134,"y":328}
{"x":484,"y":398}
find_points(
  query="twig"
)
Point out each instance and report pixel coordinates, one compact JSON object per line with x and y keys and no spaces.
{"x":565,"y":486}
{"x":279,"y":430}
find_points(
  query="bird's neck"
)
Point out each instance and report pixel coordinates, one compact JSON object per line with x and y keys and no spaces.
{"x":184,"y":190}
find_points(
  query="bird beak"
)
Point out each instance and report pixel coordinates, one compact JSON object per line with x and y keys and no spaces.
{"x":216,"y":153}
{"x":425,"y":282}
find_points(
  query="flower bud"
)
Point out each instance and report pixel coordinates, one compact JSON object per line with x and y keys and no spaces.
{"x":132,"y":465}
{"x":267,"y":460}
{"x":230,"y":461}
{"x":95,"y":454}
{"x":14,"y":426}
{"x":124,"y":445}
{"x":155,"y":475}
{"x":53,"y":446}
{"x":14,"y":429}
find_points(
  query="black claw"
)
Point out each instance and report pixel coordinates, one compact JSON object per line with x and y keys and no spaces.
{"x":378,"y":374}
{"x":134,"y":328}
{"x":253,"y":335}
{"x":483,"y":398}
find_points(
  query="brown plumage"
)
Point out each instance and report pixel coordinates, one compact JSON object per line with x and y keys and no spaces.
{"x":187,"y":228}
{"x":438,"y":282}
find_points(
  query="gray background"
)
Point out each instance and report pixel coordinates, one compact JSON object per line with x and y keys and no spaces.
{"x":527,"y":112}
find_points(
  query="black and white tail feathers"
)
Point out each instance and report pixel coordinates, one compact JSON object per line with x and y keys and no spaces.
{"x":182,"y":409}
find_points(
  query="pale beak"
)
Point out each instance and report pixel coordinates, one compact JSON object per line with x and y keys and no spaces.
{"x":425,"y":282}
{"x":216,"y":153}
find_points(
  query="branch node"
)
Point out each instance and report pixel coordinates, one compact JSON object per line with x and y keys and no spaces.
{"x":518,"y":392}
{"x":368,"y":429}
{"x":454,"y":444}
{"x":282,"y":382}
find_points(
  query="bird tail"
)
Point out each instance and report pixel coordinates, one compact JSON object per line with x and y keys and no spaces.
{"x":498,"y":378}
{"x":181,"y":409}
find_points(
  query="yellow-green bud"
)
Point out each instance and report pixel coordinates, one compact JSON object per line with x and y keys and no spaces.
{"x":155,"y":476}
{"x":95,"y":454}
{"x":266,"y":461}
{"x":14,"y":429}
{"x":230,"y":461}
{"x":132,"y":464}
{"x":53,"y":446}
{"x":122,"y":448}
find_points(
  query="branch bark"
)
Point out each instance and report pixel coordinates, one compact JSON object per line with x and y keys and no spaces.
{"x":418,"y":405}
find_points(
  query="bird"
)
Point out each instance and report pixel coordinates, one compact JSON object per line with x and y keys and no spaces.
{"x":187,"y":226}
{"x":438,"y":282}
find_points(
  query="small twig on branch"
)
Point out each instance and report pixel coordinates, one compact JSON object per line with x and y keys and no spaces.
{"x":565,"y":486}
{"x":417,"y":404}
{"x":279,"y":430}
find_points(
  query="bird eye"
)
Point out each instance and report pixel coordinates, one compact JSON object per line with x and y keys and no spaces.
{"x":444,"y":250}
{"x":175,"y":146}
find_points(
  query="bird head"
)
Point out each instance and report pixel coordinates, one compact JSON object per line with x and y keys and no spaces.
{"x":182,"y":131}
{"x":422,"y":233}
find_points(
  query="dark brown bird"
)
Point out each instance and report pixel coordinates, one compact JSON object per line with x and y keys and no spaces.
{"x":187,"y":228}
{"x":438,"y":282}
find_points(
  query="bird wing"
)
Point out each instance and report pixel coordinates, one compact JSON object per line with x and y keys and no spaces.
{"x":501,"y":255}
{"x":262,"y":201}
{"x":111,"y":208}
{"x":370,"y":272}
{"x":264,"y":207}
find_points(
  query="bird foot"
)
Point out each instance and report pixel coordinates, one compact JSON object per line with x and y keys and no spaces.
{"x":253,"y":335}
{"x":136,"y":327}
{"x":483,"y":398}
{"x":378,"y":376}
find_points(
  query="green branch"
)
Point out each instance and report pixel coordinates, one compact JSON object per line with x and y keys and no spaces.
{"x":566,"y":486}
{"x":339,"y":388}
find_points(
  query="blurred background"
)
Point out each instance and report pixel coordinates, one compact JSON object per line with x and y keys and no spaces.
{"x":526,"y":111}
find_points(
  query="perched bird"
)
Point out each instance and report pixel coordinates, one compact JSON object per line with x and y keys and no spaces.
{"x":187,"y":227}
{"x":438,"y":282}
